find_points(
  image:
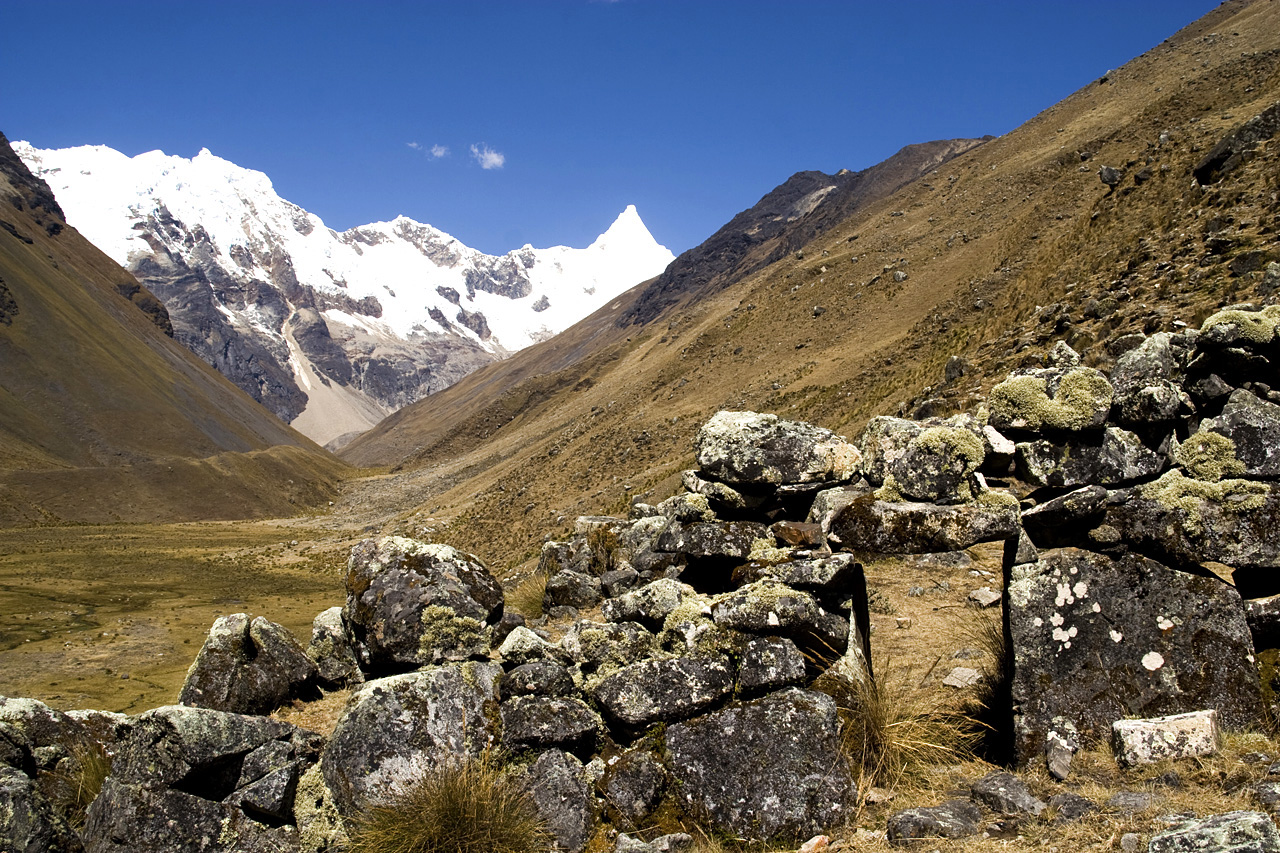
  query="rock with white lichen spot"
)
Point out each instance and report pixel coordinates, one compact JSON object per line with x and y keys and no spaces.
{"x":1252,"y":426}
{"x":663,"y":690}
{"x":558,"y":785}
{"x":952,"y":819}
{"x":412,"y":603}
{"x":1095,"y":639}
{"x":1194,"y":733}
{"x":732,"y":540}
{"x":747,"y":448}
{"x":1233,"y":832}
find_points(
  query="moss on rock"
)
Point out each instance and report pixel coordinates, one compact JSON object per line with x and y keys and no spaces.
{"x":1209,"y":456}
{"x":1177,"y":492}
{"x":1082,"y":400}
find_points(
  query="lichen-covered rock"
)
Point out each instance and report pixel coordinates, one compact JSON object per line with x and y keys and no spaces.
{"x":524,"y":646}
{"x":746,"y":448}
{"x":831,"y":577}
{"x":543,"y":722}
{"x":904,"y":527}
{"x":568,"y":588}
{"x":598,"y":650}
{"x":1065,"y":519}
{"x":1095,"y":639}
{"x":633,"y":785}
{"x":1004,"y":793}
{"x":766,"y":769}
{"x":411,"y":603}
{"x":1147,"y":381}
{"x":1233,"y":832}
{"x":723,"y":499}
{"x":320,"y":827}
{"x":558,"y":785}
{"x":331,"y":650}
{"x":1177,"y":736}
{"x":28,"y":824}
{"x":1071,"y":400}
{"x":1190,"y":521}
{"x":952,"y":819}
{"x":768,"y":664}
{"x":1110,"y":458}
{"x":663,"y":690}
{"x":938,"y":465}
{"x":721,"y":539}
{"x":828,"y":503}
{"x":36,"y":738}
{"x":767,"y":607}
{"x":398,"y":728}
{"x":649,"y":605}
{"x":248,"y":666}
{"x":1236,"y":327}
{"x":537,"y":678}
{"x":1252,"y":426}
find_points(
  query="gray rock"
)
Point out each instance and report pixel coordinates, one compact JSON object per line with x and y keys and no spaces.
{"x":1065,"y":519}
{"x":952,"y":819}
{"x":543,"y":722}
{"x":741,"y":448}
{"x":961,"y":677}
{"x":985,"y":597}
{"x":600,"y":649}
{"x":768,"y":664}
{"x":396,"y":729}
{"x":1233,"y":832}
{"x":1263,"y":615}
{"x":1069,"y":806}
{"x":1110,"y":176}
{"x":764,"y":769}
{"x":1060,"y":746}
{"x":722,"y":498}
{"x":725,"y":539}
{"x":330,"y":648}
{"x":901,"y":527}
{"x":1236,"y":148}
{"x":410,"y":603}
{"x":1189,"y":521}
{"x":649,"y":605}
{"x":568,"y":588}
{"x":1131,"y":801}
{"x":615,"y":582}
{"x":767,"y":607}
{"x":1111,"y":458}
{"x":1240,"y":327}
{"x":28,"y":824}
{"x":1004,"y":793}
{"x":652,"y":691}
{"x":537,"y":678}
{"x":1253,"y":427}
{"x":248,"y":666}
{"x":1095,"y":639}
{"x":558,"y":785}
{"x":938,"y":464}
{"x":633,"y":786}
{"x":523,"y":646}
{"x":828,"y":503}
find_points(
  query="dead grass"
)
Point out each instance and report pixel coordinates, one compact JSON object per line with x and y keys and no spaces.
{"x":471,"y":807}
{"x":525,"y":597}
{"x":319,"y":716}
{"x":74,"y":786}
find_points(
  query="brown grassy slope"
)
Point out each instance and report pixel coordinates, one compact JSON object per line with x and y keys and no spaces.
{"x":102,"y":415}
{"x":828,"y":334}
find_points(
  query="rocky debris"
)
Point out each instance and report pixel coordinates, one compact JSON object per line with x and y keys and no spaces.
{"x":200,"y":779}
{"x":952,"y":819}
{"x":740,"y":448}
{"x":1234,"y":149}
{"x":1233,"y":832}
{"x":249,"y":665}
{"x":1006,"y":794}
{"x":558,"y":785}
{"x":717,"y":759}
{"x":411,"y":603}
{"x":1178,"y":736}
{"x":331,"y":651}
{"x":395,"y":729}
{"x":1120,"y":636}
{"x":536,"y":723}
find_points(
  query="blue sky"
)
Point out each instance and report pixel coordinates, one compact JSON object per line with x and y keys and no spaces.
{"x":690,"y":110}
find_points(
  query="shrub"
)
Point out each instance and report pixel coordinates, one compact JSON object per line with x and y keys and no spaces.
{"x":468,"y":807}
{"x":526,"y":596}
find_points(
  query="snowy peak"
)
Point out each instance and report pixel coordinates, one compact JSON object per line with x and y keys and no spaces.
{"x":368,"y":320}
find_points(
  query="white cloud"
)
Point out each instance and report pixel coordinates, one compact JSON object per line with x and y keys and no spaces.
{"x":435,"y":152}
{"x":487,"y":157}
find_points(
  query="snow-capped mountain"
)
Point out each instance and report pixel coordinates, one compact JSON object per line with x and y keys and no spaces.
{"x":331,"y":331}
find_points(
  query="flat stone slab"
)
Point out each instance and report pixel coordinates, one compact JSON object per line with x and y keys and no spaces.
{"x":1177,"y":736}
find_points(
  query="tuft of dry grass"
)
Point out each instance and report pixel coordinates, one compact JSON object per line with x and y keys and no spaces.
{"x":74,"y":786}
{"x":525,"y":597}
{"x":468,"y":807}
{"x":320,"y":715}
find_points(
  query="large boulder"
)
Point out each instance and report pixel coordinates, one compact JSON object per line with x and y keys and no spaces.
{"x":535,"y":723}
{"x":249,"y":666}
{"x":732,"y":540}
{"x":28,"y":823}
{"x":1095,"y":639}
{"x":766,"y":769}
{"x":1148,"y":379}
{"x":411,"y":603}
{"x":907,"y":527}
{"x":396,"y":729}
{"x":557,"y":782}
{"x":747,"y":448}
{"x":1252,"y":425}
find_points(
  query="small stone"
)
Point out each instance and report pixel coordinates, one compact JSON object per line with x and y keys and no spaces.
{"x":818,"y":842}
{"x":1130,"y":842}
{"x":1131,"y":801}
{"x":962,"y":677}
{"x":1068,"y":806}
{"x":985,"y":597}
{"x":1176,"y":736}
{"x":1005,"y":793}
{"x":903,"y":621}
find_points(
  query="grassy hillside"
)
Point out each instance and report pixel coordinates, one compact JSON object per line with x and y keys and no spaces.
{"x":991,"y":256}
{"x":102,"y":415}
